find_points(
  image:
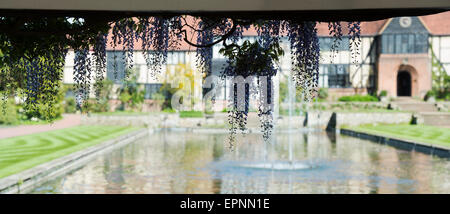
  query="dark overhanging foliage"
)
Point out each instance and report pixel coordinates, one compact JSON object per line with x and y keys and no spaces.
{"x":33,"y":51}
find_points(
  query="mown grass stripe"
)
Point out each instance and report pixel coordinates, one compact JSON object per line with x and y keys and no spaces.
{"x":418,"y":133}
{"x":23,"y":152}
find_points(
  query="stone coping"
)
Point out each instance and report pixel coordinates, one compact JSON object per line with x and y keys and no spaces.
{"x":435,"y":113}
{"x":226,"y":131}
{"x":26,"y":180}
{"x":408,"y":145}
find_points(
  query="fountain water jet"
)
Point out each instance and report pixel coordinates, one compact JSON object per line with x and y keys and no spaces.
{"x":290,"y":164}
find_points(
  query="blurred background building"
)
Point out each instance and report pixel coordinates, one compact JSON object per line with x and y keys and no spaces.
{"x":397,"y":55}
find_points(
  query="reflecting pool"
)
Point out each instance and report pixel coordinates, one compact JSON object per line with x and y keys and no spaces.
{"x":186,"y":162}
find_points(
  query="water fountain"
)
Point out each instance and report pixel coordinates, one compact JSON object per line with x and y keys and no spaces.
{"x":290,"y":164}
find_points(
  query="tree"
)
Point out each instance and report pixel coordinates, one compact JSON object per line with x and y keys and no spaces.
{"x":440,"y":77}
{"x":130,"y":93}
{"x":183,"y":82}
{"x":34,"y":49}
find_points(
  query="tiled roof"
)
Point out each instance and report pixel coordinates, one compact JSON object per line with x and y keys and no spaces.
{"x":138,"y":44}
{"x":367,"y":28}
{"x":437,"y":24}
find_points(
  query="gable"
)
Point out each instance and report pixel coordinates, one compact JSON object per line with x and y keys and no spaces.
{"x":401,"y":25}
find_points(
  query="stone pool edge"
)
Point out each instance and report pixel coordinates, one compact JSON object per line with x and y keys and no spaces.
{"x":408,"y":145}
{"x":25,"y":181}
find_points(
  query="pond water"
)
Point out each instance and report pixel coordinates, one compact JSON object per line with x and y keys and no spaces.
{"x":316,"y":162}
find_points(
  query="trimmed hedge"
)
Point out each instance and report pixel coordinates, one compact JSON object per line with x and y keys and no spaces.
{"x":358,"y":98}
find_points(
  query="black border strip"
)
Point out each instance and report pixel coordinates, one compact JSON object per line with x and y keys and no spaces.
{"x":399,"y":144}
{"x":307,"y":15}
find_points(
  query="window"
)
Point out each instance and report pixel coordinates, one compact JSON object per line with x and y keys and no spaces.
{"x":334,"y":76}
{"x":176,"y":57}
{"x":421,"y":43}
{"x":151,"y":89}
{"x":387,"y":43}
{"x":116,"y":64}
{"x":398,"y":43}
{"x":404,"y":43}
{"x":327,"y":42}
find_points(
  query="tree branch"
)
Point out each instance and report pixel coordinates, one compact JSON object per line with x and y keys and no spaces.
{"x":222,"y":38}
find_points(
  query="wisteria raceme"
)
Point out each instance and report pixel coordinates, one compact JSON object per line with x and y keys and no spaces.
{"x":354,"y":31}
{"x":204,"y":55}
{"x":100,"y":62}
{"x":115,"y":41}
{"x":335,"y":29}
{"x":229,"y":68}
{"x":157,"y":39}
{"x":52,"y":69}
{"x":82,"y":74}
{"x":305,"y":53}
{"x":125,"y":34}
{"x":207,"y":32}
{"x":145,"y":34}
{"x":257,"y":59}
{"x":160,"y":43}
{"x":33,"y":83}
{"x":43,"y":76}
{"x":237,"y":117}
{"x":175,"y":38}
{"x":265,"y":108}
{"x":269,"y":33}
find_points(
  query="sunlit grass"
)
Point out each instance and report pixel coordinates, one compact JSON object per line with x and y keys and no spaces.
{"x":418,"y":133}
{"x":24,"y":152}
{"x":188,"y":114}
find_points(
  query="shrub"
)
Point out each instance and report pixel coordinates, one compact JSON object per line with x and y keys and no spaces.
{"x":9,"y":116}
{"x":42,"y":112}
{"x":323,"y":93}
{"x":184,"y":114}
{"x":96,"y":106}
{"x":429,"y":94}
{"x":358,"y":98}
{"x":383,"y":93}
{"x":209,"y":112}
{"x":70,"y":105}
{"x":130,"y":92}
{"x":169,"y":110}
{"x":158,"y":96}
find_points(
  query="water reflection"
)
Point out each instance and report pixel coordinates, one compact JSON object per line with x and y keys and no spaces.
{"x":171,"y":162}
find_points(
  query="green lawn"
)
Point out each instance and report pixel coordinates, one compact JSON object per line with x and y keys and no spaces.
{"x":24,"y":152}
{"x":194,"y":114}
{"x":418,"y":133}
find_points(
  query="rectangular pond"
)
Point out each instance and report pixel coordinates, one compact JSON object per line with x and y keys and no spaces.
{"x":315,"y":162}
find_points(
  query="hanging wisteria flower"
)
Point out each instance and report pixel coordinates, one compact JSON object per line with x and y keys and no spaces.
{"x":335,"y":29}
{"x":160,"y":44}
{"x":204,"y":55}
{"x":124,"y":33}
{"x":269,"y":35}
{"x":100,"y":62}
{"x":248,"y":60}
{"x":354,"y":31}
{"x":82,"y":74}
{"x":305,"y":53}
